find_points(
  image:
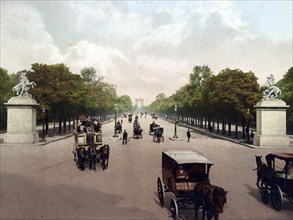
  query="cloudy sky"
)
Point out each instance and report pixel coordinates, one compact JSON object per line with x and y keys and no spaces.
{"x":148,"y":47}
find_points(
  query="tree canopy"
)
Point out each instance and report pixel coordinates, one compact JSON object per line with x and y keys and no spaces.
{"x":64,"y":94}
{"x":230,"y":92}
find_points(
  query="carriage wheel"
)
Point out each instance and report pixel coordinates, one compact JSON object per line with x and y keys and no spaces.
{"x":161,"y":192}
{"x":174,"y":208}
{"x":265,"y":196}
{"x":276,"y":197}
{"x":291,"y":199}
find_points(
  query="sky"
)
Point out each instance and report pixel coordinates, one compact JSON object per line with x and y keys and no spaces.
{"x":148,"y":47}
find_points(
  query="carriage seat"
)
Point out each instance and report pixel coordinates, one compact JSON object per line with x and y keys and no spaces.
{"x":289,"y":174}
{"x":185,"y":186}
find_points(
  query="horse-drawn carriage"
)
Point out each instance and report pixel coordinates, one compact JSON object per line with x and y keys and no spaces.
{"x":137,"y":131}
{"x":185,"y":173}
{"x":119,"y":127}
{"x":158,"y":134}
{"x":153,"y":127}
{"x":88,"y":149}
{"x":275,"y":183}
{"x":129,"y":118}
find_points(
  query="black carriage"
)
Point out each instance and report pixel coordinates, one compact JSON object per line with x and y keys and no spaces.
{"x":153,"y":127}
{"x":276,"y":182}
{"x":129,"y":118}
{"x":137,"y":132}
{"x":118,"y":127}
{"x":158,"y":134}
{"x":89,"y":151}
{"x":195,"y":169}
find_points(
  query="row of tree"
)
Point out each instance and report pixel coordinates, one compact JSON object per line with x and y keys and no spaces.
{"x":65,"y":95}
{"x":229,"y":95}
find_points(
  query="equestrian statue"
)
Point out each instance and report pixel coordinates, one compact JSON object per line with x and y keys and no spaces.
{"x":272,"y":91}
{"x":22,"y":87}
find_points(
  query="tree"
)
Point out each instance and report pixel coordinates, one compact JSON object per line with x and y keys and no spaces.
{"x":232,"y":92}
{"x":124,"y":103}
{"x":286,"y":86}
{"x":5,"y":94}
{"x":159,"y":104}
{"x":197,"y":81}
{"x":61,"y":92}
{"x":89,"y":75}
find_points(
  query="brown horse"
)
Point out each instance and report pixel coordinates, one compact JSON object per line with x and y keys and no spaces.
{"x":211,"y":198}
{"x":264,"y":173}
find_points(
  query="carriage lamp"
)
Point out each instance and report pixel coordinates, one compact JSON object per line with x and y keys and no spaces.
{"x":175,"y":130}
{"x":115,"y":130}
{"x":43,"y":118}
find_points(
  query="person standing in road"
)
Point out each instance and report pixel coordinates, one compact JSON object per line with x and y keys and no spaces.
{"x":188,"y":135}
{"x":125,"y":137}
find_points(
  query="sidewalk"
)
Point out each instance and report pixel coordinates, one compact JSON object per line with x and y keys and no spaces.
{"x":49,"y":139}
{"x":225,"y":137}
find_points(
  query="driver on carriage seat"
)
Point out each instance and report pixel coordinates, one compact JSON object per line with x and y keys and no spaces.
{"x":181,"y":174}
{"x":182,"y":183}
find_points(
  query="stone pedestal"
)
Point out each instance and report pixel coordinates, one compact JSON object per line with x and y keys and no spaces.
{"x":271,"y":124}
{"x":21,"y":121}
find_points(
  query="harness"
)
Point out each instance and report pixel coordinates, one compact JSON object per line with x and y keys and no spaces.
{"x":211,"y":197}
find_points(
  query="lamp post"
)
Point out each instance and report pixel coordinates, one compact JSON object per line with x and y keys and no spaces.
{"x":247,"y":127}
{"x":175,"y":130}
{"x":115,"y":130}
{"x":43,"y":117}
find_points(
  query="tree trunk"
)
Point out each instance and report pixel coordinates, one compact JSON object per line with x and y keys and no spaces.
{"x":64,"y":125}
{"x":60,"y":126}
{"x":236,"y":128}
{"x":229,"y":128}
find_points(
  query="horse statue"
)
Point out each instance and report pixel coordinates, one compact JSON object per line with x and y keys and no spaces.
{"x":212,"y":199}
{"x":22,"y":87}
{"x":272,"y":91}
{"x":264,"y":173}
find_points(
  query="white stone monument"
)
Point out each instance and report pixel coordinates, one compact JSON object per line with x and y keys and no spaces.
{"x":271,"y":119}
{"x":21,"y":115}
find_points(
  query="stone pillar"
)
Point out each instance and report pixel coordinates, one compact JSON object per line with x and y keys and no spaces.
{"x":271,"y":123}
{"x":21,"y":121}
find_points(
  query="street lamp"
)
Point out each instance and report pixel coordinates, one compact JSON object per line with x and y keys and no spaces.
{"x":175,"y":131}
{"x":43,"y":117}
{"x":247,"y":127}
{"x":115,"y":130}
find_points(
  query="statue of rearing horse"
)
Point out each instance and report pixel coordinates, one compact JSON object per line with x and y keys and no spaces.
{"x":22,"y":87}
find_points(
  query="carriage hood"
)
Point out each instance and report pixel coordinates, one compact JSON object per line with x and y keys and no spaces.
{"x":187,"y":156}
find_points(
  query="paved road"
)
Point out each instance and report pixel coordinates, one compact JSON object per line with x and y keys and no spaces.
{"x":42,"y":182}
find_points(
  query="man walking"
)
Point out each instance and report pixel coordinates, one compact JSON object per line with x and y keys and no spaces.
{"x":188,"y":135}
{"x":125,"y":137}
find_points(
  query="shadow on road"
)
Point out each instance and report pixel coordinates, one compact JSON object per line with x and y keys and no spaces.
{"x":35,"y":200}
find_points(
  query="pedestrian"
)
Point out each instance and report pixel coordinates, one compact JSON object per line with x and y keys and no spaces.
{"x":188,"y":135}
{"x":125,"y":137}
{"x":251,"y":137}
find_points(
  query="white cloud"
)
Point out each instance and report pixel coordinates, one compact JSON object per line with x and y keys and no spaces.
{"x":145,"y":48}
{"x":24,"y":39}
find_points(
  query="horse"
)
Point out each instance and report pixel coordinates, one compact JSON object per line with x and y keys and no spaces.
{"x":81,"y":157}
{"x":22,"y":87}
{"x":212,"y":199}
{"x":264,"y":173}
{"x":272,"y":92}
{"x":158,"y":134}
{"x":105,"y":153}
{"x":92,"y":157}
{"x":137,"y":132}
